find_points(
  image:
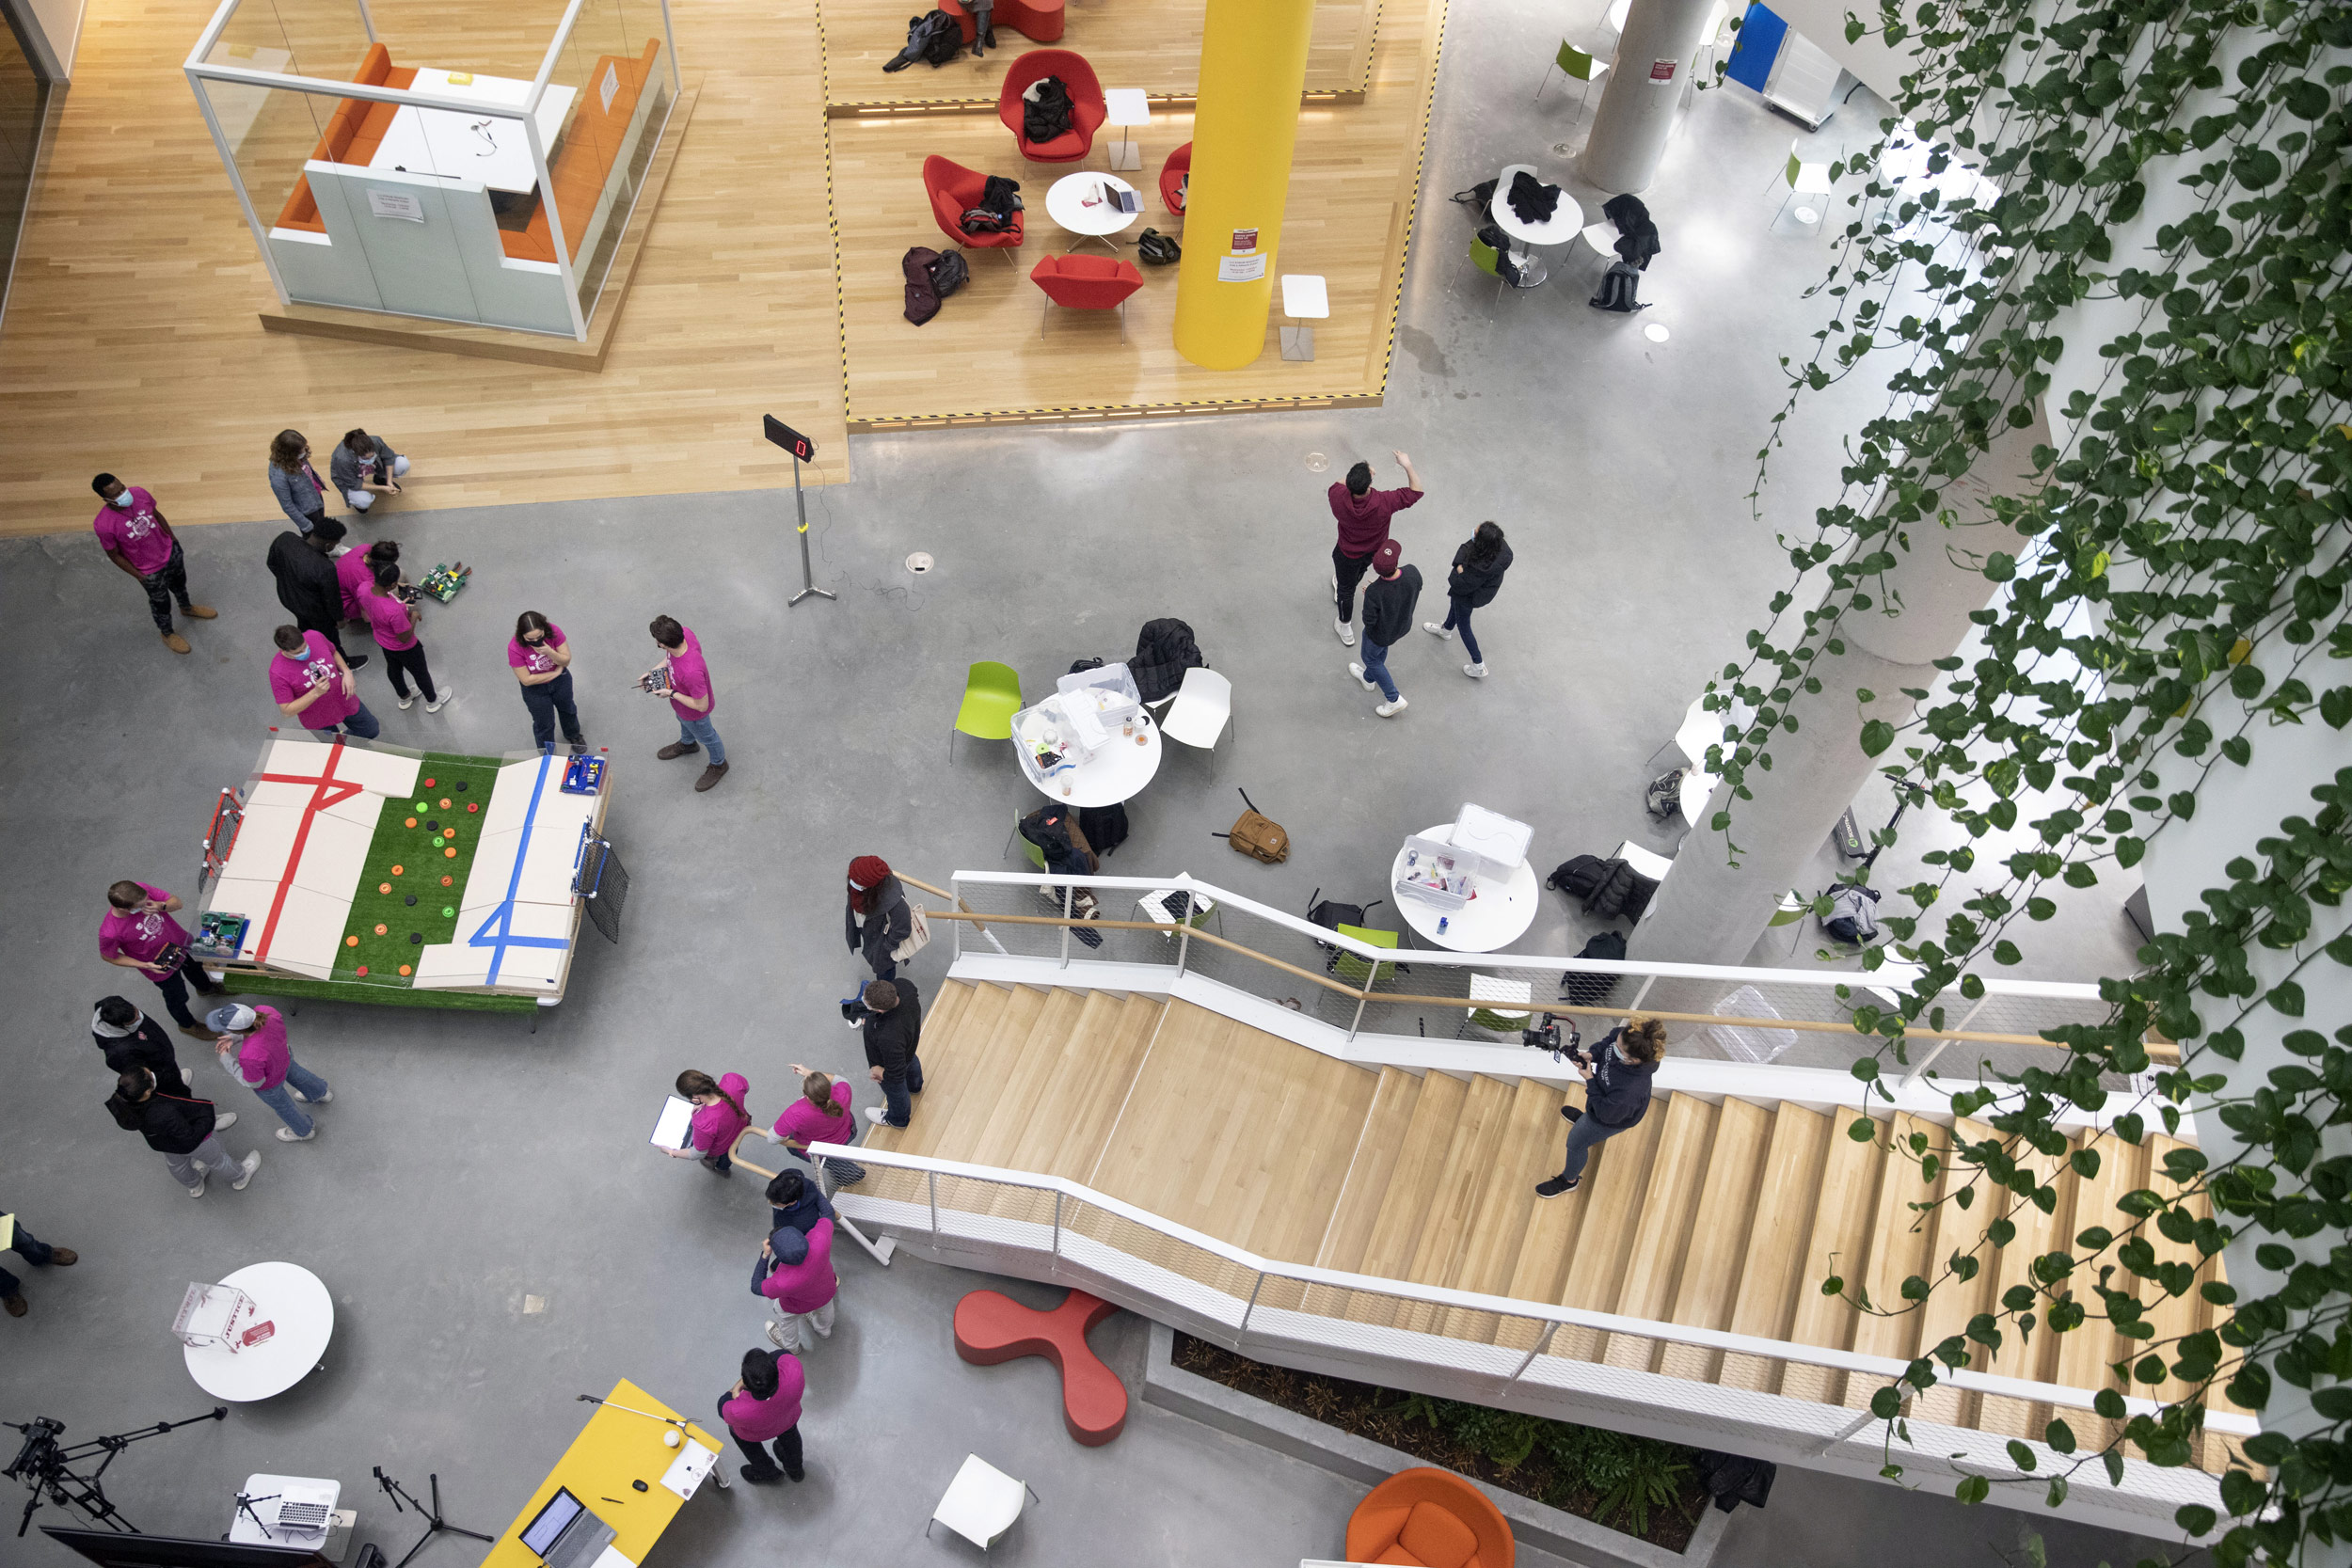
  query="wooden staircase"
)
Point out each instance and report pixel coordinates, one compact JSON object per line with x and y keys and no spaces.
{"x":1722,"y":1216}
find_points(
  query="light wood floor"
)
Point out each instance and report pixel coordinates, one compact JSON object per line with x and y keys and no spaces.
{"x":1722,"y":1216}
{"x":132,"y":342}
{"x":1354,"y":180}
{"x":1151,"y":45}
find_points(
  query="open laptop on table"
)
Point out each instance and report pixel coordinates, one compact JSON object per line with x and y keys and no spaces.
{"x":566,"y":1534}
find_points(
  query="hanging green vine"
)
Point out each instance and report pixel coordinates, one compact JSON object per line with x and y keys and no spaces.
{"x":2171,"y":588}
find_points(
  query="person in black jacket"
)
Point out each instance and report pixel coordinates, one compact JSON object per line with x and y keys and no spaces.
{"x":1477,"y":568}
{"x":1388,"y":616}
{"x":1616,"y":1095}
{"x":890,"y":1012}
{"x":129,"y":1039}
{"x":179,"y":1128}
{"x":304,"y":565}
{"x":876,"y":918}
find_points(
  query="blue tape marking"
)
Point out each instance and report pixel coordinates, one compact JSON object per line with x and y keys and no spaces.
{"x":504,"y":917}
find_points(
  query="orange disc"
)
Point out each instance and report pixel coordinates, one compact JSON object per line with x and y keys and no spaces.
{"x":428,"y":783}
{"x":445,"y":881}
{"x":383,"y":887}
{"x":450,"y":853}
{"x":445,"y":802}
{"x":410,"y":823}
{"x":379,"y":930}
{"x":351,"y":942}
{"x":473,"y":805}
{"x":396,"y":871}
{"x":403,"y":969}
{"x":363,"y":969}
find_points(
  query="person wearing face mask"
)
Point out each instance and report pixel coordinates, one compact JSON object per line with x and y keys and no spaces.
{"x":294,"y":481}
{"x":542,"y":662}
{"x":1616,"y":1095}
{"x":365,"y":466}
{"x":131,"y":531}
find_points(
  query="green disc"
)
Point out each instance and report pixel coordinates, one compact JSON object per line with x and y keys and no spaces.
{"x":449,"y":914}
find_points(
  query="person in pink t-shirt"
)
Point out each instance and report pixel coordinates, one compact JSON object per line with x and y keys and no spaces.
{"x":354,"y":574}
{"x":542,"y":662}
{"x":392,"y":617}
{"x":821,"y":1115}
{"x":719,"y":1119}
{"x":312,"y":683}
{"x":139,"y":933}
{"x":686,"y":683}
{"x":763,"y":1407}
{"x":131,"y":531}
{"x":253,"y":1051}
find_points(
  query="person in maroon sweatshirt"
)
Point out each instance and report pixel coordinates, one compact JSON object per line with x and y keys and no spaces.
{"x":1362,"y":514}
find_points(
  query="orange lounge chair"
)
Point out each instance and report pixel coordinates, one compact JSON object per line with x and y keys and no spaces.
{"x":1429,"y":1517}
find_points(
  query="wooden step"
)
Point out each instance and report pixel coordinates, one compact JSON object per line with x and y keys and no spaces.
{"x":1718,"y":1245}
{"x":1016,"y":1063}
{"x":1529,"y":1152}
{"x":2084,"y":1354}
{"x":971,"y":1012}
{"x":942,"y":1008}
{"x":1470,"y":1157}
{"x":1419,"y":1162}
{"x":1952,"y":1302}
{"x":1539,"y":1273}
{"x":1838,"y":1244}
{"x":1368,"y":1171}
{"x":1900,"y":1234}
{"x":1086,"y":1104}
{"x":1616,"y":1179}
{"x":975,"y":1064}
{"x":1772,"y":1271}
{"x":1664,"y":1237}
{"x":2033,"y":1355}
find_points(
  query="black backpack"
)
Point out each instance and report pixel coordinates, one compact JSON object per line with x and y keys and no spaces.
{"x":1590,"y":991}
{"x":1157,"y":250}
{"x":1664,"y":797}
{"x":1853,"y":914}
{"x":1104,"y":827}
{"x":1478,"y":200}
{"x":1618,"y":290}
{"x":949,"y":273}
{"x":933,"y":38}
{"x":922,"y":293}
{"x":1579,"y":878}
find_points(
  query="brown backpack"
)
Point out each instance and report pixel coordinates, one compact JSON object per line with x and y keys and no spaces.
{"x":1260,"y":837}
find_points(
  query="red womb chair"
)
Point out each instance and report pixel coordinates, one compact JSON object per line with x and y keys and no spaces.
{"x":1087,"y":283}
{"x":1432,"y":1517}
{"x":1172,"y":175}
{"x":955,"y":190}
{"x":1039,"y":20}
{"x":1087,"y":108}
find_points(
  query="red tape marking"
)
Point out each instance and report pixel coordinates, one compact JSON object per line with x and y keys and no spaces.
{"x":329,"y":791}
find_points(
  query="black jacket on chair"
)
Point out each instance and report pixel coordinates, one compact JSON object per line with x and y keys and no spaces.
{"x":1164,"y":651}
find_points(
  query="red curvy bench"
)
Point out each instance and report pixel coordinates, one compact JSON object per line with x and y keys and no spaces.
{"x":993,"y":1327}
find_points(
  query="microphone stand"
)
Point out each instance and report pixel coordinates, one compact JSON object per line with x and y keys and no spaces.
{"x":435,"y":1524}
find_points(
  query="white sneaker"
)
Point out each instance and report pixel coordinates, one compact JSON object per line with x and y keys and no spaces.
{"x":1475,"y":672}
{"x":442,"y":700}
{"x":252,"y":1163}
{"x":1389,"y":710}
{"x":1437,"y":629}
{"x":307,"y":1101}
{"x":1347,"y":633}
{"x":1358,"y":671}
{"x":874,"y":1114}
{"x":198,"y":1191}
{"x":222,"y":1124}
{"x":405,"y":703}
{"x":288,"y":1135}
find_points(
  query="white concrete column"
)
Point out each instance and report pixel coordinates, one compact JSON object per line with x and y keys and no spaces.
{"x":1706,"y":910}
{"x":1637,"y":104}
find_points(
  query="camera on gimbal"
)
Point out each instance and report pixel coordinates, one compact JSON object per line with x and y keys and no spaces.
{"x":1547,"y":1037}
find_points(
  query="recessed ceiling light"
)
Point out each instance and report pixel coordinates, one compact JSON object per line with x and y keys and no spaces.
{"x":919,"y":563}
{"x":1317,"y":463}
{"x":1656,"y":332}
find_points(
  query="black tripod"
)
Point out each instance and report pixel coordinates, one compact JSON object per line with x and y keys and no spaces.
{"x":45,"y":1466}
{"x":435,"y":1524}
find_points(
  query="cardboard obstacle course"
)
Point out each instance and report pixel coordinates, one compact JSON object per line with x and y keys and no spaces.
{"x":378,"y":874}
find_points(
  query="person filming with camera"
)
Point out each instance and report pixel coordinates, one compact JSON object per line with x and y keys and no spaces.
{"x":1617,"y":1077}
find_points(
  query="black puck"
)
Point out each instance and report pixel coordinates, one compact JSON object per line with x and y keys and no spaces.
{"x":412,"y":898}
{"x":416,"y":936}
{"x":432,"y":826}
{"x":461,"y":784}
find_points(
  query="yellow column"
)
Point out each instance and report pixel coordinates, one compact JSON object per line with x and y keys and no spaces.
{"x":1254,"y":66}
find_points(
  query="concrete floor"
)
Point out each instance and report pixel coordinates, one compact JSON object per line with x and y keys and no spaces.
{"x":467,"y":1164}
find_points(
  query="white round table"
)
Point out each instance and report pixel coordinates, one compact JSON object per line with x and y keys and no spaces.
{"x":293,"y":1298}
{"x":1117,"y":772}
{"x":1065,"y":204}
{"x":1497,"y":916}
{"x":1565,"y":223}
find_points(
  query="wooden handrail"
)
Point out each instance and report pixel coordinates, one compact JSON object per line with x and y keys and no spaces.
{"x":1974,"y":1037}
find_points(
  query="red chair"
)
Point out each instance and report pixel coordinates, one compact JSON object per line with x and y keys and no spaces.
{"x":1172,"y":175}
{"x":1087,"y":108}
{"x":1087,"y":283}
{"x":1038,"y":20}
{"x":1431,"y":1517}
{"x":955,"y":190}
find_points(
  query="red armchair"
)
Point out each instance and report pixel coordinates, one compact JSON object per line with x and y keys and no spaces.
{"x":1085,"y":283}
{"x":1431,"y":1517}
{"x":1172,"y":175}
{"x":955,"y":190}
{"x":1037,"y":20}
{"x":1087,"y":108}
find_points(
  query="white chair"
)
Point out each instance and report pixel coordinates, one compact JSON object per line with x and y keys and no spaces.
{"x":1743,"y":1042}
{"x":981,"y":1503}
{"x":1497,"y":1021}
{"x":1803,"y":179}
{"x":1649,"y":862}
{"x":1601,"y":240}
{"x":1203,"y":706}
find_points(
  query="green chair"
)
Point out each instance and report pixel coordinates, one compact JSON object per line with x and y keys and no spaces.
{"x":1490,"y":261}
{"x":1574,"y":63}
{"x":992,"y":695}
{"x":1355,"y":970}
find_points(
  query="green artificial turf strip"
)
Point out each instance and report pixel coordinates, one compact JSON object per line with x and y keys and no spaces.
{"x":422,"y":866}
{"x":367,"y":990}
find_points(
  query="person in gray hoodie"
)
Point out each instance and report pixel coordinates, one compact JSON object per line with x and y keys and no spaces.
{"x":131,"y":1040}
{"x":364,"y":467}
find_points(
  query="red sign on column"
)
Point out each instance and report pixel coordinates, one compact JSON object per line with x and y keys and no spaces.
{"x":1661,"y":70}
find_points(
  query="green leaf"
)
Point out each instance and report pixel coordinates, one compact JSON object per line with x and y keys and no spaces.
{"x":2021,"y":1456}
{"x":2060,"y":1436}
{"x":1973,"y":1489}
{"x":1877,"y":735}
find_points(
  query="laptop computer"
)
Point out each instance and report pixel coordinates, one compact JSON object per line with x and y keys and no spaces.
{"x":566,"y":1534}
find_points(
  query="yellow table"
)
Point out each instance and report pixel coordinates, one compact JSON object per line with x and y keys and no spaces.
{"x":612,"y":1449}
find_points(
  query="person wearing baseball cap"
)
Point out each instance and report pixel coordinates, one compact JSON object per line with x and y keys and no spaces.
{"x":1388,"y":616}
{"x":253,"y":1051}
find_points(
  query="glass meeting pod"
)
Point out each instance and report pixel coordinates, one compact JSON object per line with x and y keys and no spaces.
{"x":490,"y":186}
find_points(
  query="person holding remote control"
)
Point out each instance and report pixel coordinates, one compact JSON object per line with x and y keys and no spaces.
{"x":685,"y":680}
{"x":1616,"y":1079}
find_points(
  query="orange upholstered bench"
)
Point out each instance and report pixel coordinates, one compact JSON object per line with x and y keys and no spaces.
{"x":993,"y":1327}
{"x":353,"y":134}
{"x":1039,"y":20}
{"x":592,"y":145}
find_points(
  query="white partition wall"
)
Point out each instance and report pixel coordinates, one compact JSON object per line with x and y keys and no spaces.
{"x":435,"y":177}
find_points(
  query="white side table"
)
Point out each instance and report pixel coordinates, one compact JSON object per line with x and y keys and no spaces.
{"x":1304,"y":298}
{"x":1075,"y":201}
{"x":293,"y":1299}
{"x":1126,"y":107}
